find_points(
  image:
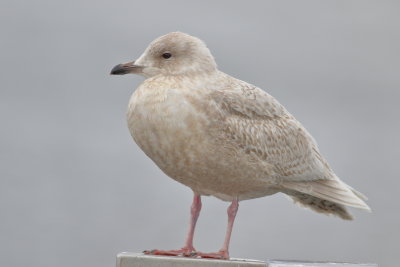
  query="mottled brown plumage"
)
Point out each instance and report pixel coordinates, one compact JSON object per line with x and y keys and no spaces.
{"x":224,"y":137}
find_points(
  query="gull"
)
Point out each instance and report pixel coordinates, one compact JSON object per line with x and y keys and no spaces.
{"x":224,"y":137}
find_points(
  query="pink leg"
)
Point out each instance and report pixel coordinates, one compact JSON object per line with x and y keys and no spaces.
{"x":194,"y":212}
{"x":188,"y":249}
{"x":223,"y":253}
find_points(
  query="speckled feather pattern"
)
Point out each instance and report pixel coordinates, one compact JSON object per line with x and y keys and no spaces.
{"x":224,"y":137}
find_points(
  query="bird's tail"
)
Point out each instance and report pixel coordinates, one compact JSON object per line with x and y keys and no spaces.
{"x":320,"y":205}
{"x":326,"y":196}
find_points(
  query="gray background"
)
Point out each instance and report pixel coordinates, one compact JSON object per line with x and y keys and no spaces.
{"x":75,"y":190}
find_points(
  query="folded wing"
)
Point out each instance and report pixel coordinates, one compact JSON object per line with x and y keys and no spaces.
{"x":257,"y":123}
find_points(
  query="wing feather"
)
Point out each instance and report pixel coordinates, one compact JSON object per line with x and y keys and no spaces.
{"x":257,"y":123}
{"x":332,"y":190}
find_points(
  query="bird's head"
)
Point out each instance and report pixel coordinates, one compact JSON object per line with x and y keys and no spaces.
{"x":175,"y":53}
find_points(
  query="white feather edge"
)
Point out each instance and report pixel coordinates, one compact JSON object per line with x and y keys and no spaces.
{"x":332,"y":190}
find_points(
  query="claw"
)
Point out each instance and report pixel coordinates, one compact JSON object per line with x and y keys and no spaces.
{"x":220,"y":255}
{"x":184,"y":252}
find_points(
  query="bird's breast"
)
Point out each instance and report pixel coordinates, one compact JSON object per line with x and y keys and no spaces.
{"x":167,"y":128}
{"x":176,"y":130}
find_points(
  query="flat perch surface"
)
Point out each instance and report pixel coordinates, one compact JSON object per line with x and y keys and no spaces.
{"x":128,"y":259}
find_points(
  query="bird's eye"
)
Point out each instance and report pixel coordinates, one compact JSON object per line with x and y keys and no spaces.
{"x":166,"y":55}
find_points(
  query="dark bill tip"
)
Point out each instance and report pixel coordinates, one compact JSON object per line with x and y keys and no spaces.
{"x":120,"y":69}
{"x":125,"y":68}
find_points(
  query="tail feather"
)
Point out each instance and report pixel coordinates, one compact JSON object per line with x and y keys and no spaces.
{"x":320,"y":205}
{"x":313,"y":194}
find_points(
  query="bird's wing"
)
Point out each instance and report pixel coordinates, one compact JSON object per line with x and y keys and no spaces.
{"x":258,"y":124}
{"x":332,"y":190}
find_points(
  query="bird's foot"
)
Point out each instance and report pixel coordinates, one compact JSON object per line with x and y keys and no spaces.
{"x":184,"y":252}
{"x":221,"y":255}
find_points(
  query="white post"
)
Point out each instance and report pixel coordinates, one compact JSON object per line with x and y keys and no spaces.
{"x":127,"y":259}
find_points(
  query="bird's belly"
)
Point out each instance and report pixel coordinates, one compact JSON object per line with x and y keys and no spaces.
{"x":176,"y":137}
